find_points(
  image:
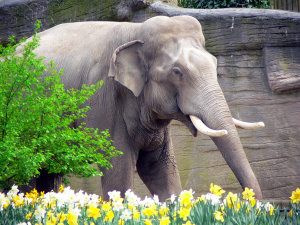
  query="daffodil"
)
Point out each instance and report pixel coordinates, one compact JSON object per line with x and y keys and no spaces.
{"x":28,"y":216}
{"x":18,"y":200}
{"x":184,"y":213}
{"x":295,"y":198}
{"x":248,"y":194}
{"x":148,"y":222}
{"x":186,"y":197}
{"x":165,"y":220}
{"x":150,"y":211}
{"x":61,"y":188}
{"x":109,"y":216}
{"x":33,"y":196}
{"x":94,"y":212}
{"x":269,"y":208}
{"x":135,"y":214}
{"x":72,"y":219}
{"x":4,"y":201}
{"x":126,"y":215}
{"x":218,"y":215}
{"x":61,"y":216}
{"x":118,"y":204}
{"x":114,"y":195}
{"x":216,"y":190}
{"x":106,"y":206}
{"x":232,"y":201}
{"x":211,"y":198}
{"x":163,"y":210}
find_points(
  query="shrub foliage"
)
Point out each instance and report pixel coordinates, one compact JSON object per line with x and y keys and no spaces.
{"x":36,"y":114}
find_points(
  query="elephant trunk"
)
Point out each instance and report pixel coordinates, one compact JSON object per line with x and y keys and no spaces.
{"x":216,"y":115}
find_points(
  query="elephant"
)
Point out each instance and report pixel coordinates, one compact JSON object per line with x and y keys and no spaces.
{"x":153,"y":72}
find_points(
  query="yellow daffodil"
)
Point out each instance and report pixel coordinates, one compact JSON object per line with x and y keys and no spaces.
{"x":5,"y":203}
{"x":51,"y":221}
{"x":33,"y":195}
{"x":231,"y":199}
{"x":216,"y":189}
{"x":248,"y":194}
{"x":61,"y":188}
{"x":135,"y":214}
{"x":72,"y":219}
{"x":219,"y":216}
{"x":150,"y":211}
{"x":165,"y":220}
{"x":109,"y":216}
{"x":185,"y":197}
{"x":163,"y":210}
{"x":106,"y":206}
{"x":252,"y":201}
{"x":18,"y":201}
{"x":121,"y":222}
{"x":28,"y":216}
{"x":295,"y":198}
{"x":147,"y":222}
{"x":290,"y":213}
{"x":184,"y":213}
{"x":61,"y":216}
{"x":94,"y":212}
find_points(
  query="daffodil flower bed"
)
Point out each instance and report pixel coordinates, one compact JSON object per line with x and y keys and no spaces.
{"x":215,"y":207}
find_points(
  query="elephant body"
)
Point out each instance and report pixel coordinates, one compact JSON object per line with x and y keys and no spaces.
{"x":153,"y":72}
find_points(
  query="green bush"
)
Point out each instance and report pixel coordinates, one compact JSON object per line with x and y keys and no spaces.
{"x":36,"y":114}
{"x":215,"y":4}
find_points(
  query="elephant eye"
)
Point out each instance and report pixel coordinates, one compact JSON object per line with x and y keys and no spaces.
{"x":177,"y":72}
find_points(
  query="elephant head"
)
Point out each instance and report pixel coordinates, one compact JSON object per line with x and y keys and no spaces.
{"x":169,"y":70}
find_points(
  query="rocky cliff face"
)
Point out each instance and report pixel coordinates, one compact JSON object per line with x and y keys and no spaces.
{"x":17,"y":17}
{"x":258,"y":55}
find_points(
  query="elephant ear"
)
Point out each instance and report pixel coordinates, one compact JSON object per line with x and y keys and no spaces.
{"x":127,"y":68}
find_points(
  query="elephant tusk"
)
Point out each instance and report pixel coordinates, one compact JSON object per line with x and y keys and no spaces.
{"x":201,"y":127}
{"x":248,"y":126}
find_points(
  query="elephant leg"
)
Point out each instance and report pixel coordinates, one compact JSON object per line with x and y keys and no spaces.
{"x":159,"y":172}
{"x":120,"y":177}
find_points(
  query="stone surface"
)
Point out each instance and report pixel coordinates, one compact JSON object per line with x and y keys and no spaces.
{"x":17,"y":17}
{"x":282,"y":67}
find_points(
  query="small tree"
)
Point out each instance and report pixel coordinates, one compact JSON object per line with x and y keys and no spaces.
{"x":36,"y":114}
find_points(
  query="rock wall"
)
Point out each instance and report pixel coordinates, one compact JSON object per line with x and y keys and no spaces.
{"x":258,"y":55}
{"x":17,"y":17}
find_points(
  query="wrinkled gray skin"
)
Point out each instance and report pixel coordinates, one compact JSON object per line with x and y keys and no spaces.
{"x":166,"y":74}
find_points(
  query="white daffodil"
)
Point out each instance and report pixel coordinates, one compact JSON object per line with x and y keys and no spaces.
{"x":214,"y":199}
{"x":114,"y":195}
{"x":126,"y":215}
